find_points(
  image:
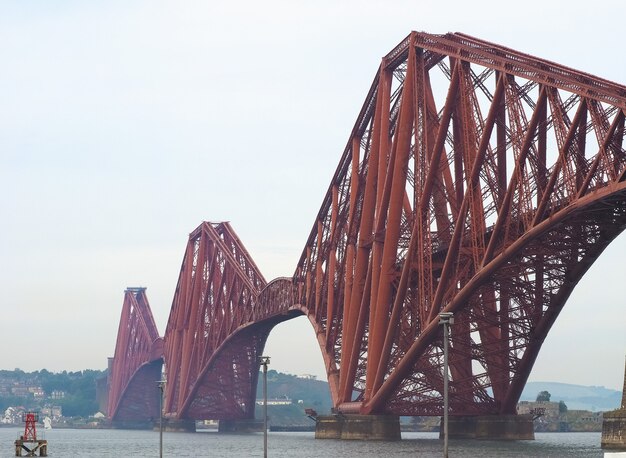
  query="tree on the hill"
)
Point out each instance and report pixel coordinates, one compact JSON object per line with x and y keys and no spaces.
{"x":562,"y":407}
{"x":543,"y":396}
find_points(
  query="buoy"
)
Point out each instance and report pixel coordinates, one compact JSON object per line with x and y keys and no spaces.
{"x":30,"y":437}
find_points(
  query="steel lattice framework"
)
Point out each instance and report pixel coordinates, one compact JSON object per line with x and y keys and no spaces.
{"x":137,"y":364}
{"x":217,"y":328}
{"x":477,"y":180}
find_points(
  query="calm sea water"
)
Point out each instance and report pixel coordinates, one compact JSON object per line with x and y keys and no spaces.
{"x":122,"y":443}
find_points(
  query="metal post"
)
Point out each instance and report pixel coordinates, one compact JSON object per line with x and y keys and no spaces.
{"x":264,"y":360}
{"x":445,"y":319}
{"x":161,"y":386}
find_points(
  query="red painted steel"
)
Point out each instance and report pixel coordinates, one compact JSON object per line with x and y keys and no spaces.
{"x":137,"y":364}
{"x":218,"y":327}
{"x":477,"y":180}
{"x":30,"y":427}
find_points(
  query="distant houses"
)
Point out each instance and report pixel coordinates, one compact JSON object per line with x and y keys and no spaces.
{"x":276,"y":402}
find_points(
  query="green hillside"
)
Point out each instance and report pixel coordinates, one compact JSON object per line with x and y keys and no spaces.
{"x":304,"y":394}
{"x":76,"y":391}
{"x":313,"y":393}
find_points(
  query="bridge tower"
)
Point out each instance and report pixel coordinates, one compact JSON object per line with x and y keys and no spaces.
{"x":478,"y":181}
{"x":133,"y":397}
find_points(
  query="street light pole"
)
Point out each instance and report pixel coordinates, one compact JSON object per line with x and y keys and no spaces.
{"x":445,"y":319}
{"x":161,"y":385}
{"x":264,"y":361}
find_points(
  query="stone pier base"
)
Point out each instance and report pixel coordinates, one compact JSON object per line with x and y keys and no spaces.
{"x":497,"y":427}
{"x":358,"y":427}
{"x":614,"y":430}
{"x":169,"y":424}
{"x":251,"y":425}
{"x":177,"y":426}
{"x":143,"y":424}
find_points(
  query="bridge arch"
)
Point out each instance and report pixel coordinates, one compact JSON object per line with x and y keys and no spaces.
{"x":139,"y":401}
{"x":225,"y":388}
{"x":594,"y":308}
{"x":137,"y":362}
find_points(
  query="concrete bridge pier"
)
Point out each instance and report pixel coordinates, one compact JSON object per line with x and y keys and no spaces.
{"x":494,"y":427}
{"x":135,"y":424}
{"x":358,"y":427}
{"x":614,"y":430}
{"x":614,"y":426}
{"x":176,"y":426}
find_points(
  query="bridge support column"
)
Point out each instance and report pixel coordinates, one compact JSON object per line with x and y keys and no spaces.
{"x":614,"y":426}
{"x":358,"y":427}
{"x":614,"y":430}
{"x":130,"y":424}
{"x":247,"y":425}
{"x":176,"y":426}
{"x":496,"y":427}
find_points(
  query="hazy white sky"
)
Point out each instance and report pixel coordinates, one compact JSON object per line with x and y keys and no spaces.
{"x":123,"y":125}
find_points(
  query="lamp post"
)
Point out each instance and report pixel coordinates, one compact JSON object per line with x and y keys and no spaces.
{"x":264,"y":361}
{"x":445,"y":319}
{"x":161,"y":385}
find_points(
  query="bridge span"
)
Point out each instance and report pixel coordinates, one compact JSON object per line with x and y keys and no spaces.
{"x":477,"y":180}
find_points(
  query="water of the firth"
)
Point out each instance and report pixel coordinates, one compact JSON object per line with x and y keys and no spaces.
{"x":123,"y":443}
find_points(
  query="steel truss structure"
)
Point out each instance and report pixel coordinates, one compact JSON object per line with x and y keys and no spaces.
{"x":217,"y":327}
{"x":477,"y":180}
{"x":137,"y":364}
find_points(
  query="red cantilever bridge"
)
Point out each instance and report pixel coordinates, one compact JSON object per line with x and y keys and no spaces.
{"x":476,"y":180}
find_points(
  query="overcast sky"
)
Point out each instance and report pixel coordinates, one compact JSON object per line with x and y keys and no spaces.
{"x":124,"y":124}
